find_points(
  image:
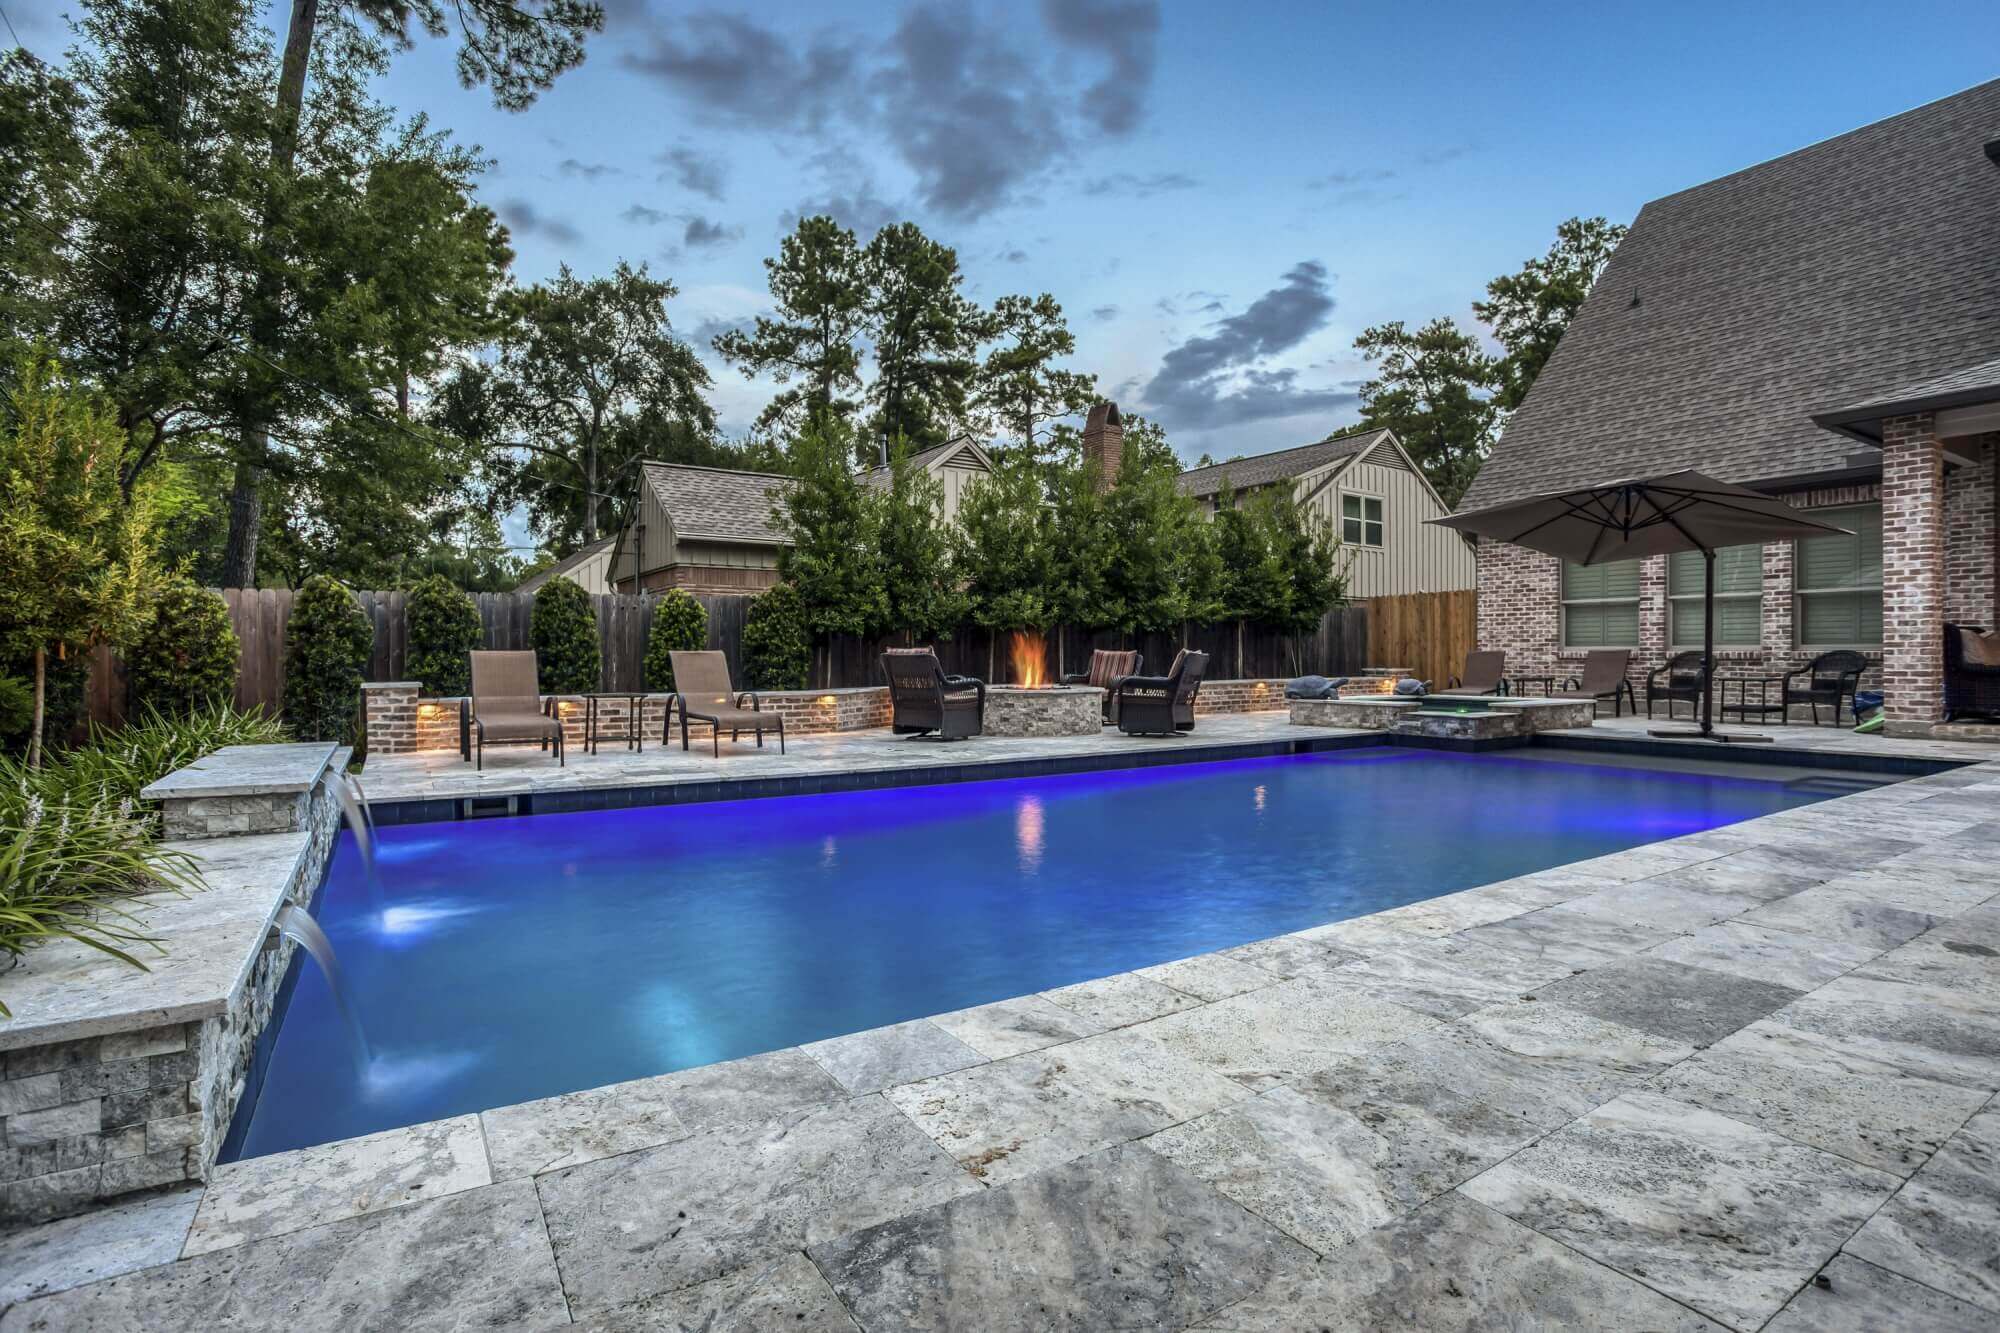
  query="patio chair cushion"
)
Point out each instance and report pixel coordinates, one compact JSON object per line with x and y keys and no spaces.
{"x":1979,"y":649}
{"x":515,"y":720}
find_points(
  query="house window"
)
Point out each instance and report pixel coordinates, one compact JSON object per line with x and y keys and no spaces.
{"x":1600,"y":605}
{"x":1361,"y":520}
{"x":1739,"y":597}
{"x":1838,"y":581}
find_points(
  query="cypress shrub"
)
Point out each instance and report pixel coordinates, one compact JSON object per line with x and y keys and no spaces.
{"x":563,"y":629}
{"x":680,"y":624}
{"x":185,"y":658}
{"x":777,"y":646}
{"x":444,"y":629}
{"x":326,"y":653}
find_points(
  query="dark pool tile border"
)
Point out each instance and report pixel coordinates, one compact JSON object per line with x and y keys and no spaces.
{"x":432,"y":811}
{"x":1902,"y":766}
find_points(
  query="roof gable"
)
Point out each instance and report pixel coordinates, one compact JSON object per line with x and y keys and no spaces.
{"x":718,"y":504}
{"x":1262,"y":469}
{"x":1736,"y":310}
{"x":957,"y":453}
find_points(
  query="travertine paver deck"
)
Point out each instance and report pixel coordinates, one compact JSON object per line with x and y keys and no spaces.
{"x":1631,"y":1091}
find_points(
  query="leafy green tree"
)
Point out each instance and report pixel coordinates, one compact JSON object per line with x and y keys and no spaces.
{"x":43,"y":172}
{"x":1019,"y":386}
{"x":1204,"y":582}
{"x":582,"y":361}
{"x":562,"y":626}
{"x":1079,"y":547}
{"x":925,"y":333}
{"x":79,"y":562}
{"x":185,"y":657}
{"x":777,"y":642}
{"x":1434,"y":388}
{"x":680,"y":625}
{"x":1529,"y":309}
{"x":444,"y":629}
{"x":1256,"y":586}
{"x":327,"y":643}
{"x":1002,"y":547}
{"x":821,"y":290}
{"x":920,"y":583}
{"x":1146,"y":521}
{"x":833,"y":557}
{"x":1306,"y":551}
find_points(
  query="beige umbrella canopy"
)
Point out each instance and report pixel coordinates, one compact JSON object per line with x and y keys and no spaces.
{"x":1625,"y":520}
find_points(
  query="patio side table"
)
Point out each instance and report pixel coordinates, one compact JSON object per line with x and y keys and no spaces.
{"x":593,"y":718}
{"x":1548,"y":684}
{"x":1744,"y":706}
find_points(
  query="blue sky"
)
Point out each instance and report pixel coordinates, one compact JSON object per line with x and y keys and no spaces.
{"x":1222,"y":197}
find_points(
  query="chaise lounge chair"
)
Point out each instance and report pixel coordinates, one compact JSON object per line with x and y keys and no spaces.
{"x":1160,"y":705}
{"x":507,"y":707}
{"x":923,"y":699}
{"x":1107,"y":668}
{"x":1485,"y":673}
{"x":1678,"y":679}
{"x":702,"y":693}
{"x":1603,"y":678}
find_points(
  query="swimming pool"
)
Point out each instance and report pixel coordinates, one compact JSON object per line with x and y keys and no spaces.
{"x":503,"y":960}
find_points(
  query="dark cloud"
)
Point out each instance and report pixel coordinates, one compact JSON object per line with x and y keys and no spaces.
{"x":704,"y":333}
{"x":1104,"y":312}
{"x":1140,"y":187}
{"x":1343,"y":180}
{"x":1125,"y":33}
{"x":651,"y":217}
{"x":1214,"y":380}
{"x":976,"y":112}
{"x":859,"y":210}
{"x":1012,"y":255}
{"x":706,"y":234}
{"x":693,"y":171}
{"x":589,"y":171}
{"x":524,"y":219}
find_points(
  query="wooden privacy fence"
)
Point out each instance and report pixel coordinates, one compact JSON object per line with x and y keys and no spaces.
{"x":1428,"y":633}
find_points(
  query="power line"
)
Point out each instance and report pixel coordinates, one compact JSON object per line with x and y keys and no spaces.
{"x":10,"y":30}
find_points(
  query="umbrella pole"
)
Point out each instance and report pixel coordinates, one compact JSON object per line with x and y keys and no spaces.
{"x":1707,"y":643}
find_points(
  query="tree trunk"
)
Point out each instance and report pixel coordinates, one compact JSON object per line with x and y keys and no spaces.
{"x":239,"y":560}
{"x":41,"y":706}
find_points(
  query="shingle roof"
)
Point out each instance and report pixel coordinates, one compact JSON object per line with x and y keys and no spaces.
{"x":878,"y":477}
{"x":563,"y":566}
{"x":1959,"y":388}
{"x":718,"y":504}
{"x":1736,"y":310}
{"x":1262,"y":469}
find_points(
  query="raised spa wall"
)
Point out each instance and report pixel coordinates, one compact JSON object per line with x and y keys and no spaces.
{"x":400,"y":720}
{"x":139,"y":1086}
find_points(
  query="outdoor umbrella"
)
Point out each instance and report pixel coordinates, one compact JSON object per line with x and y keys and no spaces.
{"x":1624,"y":520}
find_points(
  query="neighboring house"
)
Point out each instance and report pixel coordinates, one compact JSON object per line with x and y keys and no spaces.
{"x":1825,"y":326}
{"x":705,"y":529}
{"x":589,"y":568}
{"x":1365,"y":485}
{"x":954,"y":465}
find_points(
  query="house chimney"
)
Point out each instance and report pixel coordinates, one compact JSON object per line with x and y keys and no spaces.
{"x":1104,"y":443}
{"x":882,"y":448}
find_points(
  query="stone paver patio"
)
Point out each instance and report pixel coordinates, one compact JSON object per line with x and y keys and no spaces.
{"x":1739,"y":1079}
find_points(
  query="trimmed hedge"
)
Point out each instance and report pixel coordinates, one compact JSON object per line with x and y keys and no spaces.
{"x":563,"y":630}
{"x":680,"y":624}
{"x":777,"y":646}
{"x":327,"y":643}
{"x":444,"y":629}
{"x":185,"y":659}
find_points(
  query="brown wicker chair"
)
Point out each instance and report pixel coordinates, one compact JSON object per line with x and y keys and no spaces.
{"x":1603,"y":678}
{"x":1161,"y":705}
{"x":507,"y":707}
{"x":1969,"y":687}
{"x":1682,"y":682}
{"x":1107,"y":668}
{"x":923,"y":699}
{"x":702,"y":693}
{"x":1485,"y":673}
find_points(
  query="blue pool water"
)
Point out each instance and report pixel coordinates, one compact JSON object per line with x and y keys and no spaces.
{"x":510,"y":959}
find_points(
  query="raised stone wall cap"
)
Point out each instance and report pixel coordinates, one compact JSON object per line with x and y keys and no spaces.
{"x":392,"y":685}
{"x":247,"y":770}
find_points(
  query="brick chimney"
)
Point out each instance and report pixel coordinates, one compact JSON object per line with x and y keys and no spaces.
{"x":1104,"y":443}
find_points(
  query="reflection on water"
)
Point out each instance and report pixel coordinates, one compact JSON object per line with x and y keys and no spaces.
{"x":1257,"y":798}
{"x":1028,"y":819}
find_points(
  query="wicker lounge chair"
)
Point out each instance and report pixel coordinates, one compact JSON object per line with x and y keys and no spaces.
{"x":1969,"y":686}
{"x":1829,"y":678}
{"x":507,"y":707}
{"x":1485,"y":673}
{"x":702,"y":693}
{"x":1107,"y":668}
{"x":1679,"y":678}
{"x":1603,"y":678}
{"x":1160,"y":705}
{"x":923,"y":699}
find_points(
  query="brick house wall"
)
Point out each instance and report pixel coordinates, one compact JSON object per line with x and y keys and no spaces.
{"x":1520,"y":597}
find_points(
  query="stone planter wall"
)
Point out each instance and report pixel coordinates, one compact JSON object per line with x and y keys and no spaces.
{"x":1239,"y":696}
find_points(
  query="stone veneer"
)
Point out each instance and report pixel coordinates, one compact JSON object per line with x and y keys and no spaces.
{"x":91,"y":1118}
{"x":1073,"y":710}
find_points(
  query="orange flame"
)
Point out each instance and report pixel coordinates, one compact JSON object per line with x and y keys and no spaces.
{"x":1029,"y":654}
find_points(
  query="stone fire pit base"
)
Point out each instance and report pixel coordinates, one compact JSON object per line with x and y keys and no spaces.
{"x":1072,"y":710}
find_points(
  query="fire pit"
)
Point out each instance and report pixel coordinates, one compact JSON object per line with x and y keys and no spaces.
{"x":1033,"y":705}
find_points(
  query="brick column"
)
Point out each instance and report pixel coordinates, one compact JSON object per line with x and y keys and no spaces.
{"x":1913,"y":591}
